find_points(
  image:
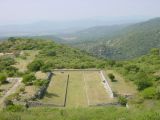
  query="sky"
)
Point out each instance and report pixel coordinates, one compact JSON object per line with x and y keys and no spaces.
{"x":28,"y":11}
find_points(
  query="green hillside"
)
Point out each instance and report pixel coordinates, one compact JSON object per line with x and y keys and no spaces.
{"x":46,"y":55}
{"x":51,"y":54}
{"x":128,"y":42}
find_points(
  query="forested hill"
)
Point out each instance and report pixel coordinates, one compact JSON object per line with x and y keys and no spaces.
{"x":124,"y":43}
{"x":138,"y":39}
{"x":51,"y":54}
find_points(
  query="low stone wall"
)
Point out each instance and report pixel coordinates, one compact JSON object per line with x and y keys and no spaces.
{"x":41,"y":92}
{"x":76,"y":69}
{"x":40,"y":104}
{"x":65,"y":99}
{"x":106,"y":104}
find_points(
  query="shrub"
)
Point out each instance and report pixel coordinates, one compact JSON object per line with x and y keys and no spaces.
{"x":142,"y":84}
{"x":46,"y":68}
{"x":122,"y":100}
{"x":15,"y":108}
{"x":155,"y":51}
{"x":3,"y":78}
{"x":111,"y":63}
{"x":111,"y":76}
{"x":7,"y":102}
{"x":149,"y":93}
{"x":28,"y":79}
{"x":158,"y":92}
{"x":132,"y":68}
{"x":35,"y":65}
{"x":40,"y":82}
{"x":51,"y":53}
{"x":22,"y":89}
{"x":142,"y":80}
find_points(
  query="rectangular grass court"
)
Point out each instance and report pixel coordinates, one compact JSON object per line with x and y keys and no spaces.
{"x":76,"y":88}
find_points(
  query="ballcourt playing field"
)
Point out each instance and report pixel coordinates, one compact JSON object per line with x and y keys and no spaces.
{"x":76,"y":88}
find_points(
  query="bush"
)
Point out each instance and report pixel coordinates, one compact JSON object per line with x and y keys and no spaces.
{"x":122,"y":100}
{"x":158,"y":92}
{"x":28,"y":79}
{"x":132,"y":68}
{"x":51,"y":53}
{"x":40,"y":82}
{"x":15,"y":108}
{"x":3,"y":78}
{"x":8,"y":102}
{"x":149,"y":93}
{"x":35,"y":65}
{"x":46,"y":68}
{"x":111,"y":63}
{"x":142,"y":84}
{"x":111,"y":76}
{"x":143,"y":81}
{"x":155,"y":51}
{"x":22,"y":89}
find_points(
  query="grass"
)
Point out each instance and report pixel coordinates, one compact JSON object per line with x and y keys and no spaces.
{"x":121,"y":86}
{"x":41,"y":75}
{"x":56,"y":89}
{"x":95,"y":89}
{"x":7,"y":86}
{"x":22,"y":63}
{"x":76,"y":90}
{"x":93,"y":113}
{"x":29,"y":91}
{"x":84,"y":88}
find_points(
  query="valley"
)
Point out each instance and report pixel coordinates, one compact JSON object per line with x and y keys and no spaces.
{"x":40,"y":76}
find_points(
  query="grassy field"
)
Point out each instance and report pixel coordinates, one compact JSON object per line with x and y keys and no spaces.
{"x":29,"y":91}
{"x":56,"y":89}
{"x":76,"y":90}
{"x":27,"y":57}
{"x":95,"y":89}
{"x":89,"y":113}
{"x":41,"y":75}
{"x":121,"y":86}
{"x":84,"y":88}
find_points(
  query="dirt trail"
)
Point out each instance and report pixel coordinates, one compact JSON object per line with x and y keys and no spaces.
{"x":11,"y":90}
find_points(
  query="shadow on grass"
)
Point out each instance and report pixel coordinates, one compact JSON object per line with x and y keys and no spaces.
{"x":50,"y":95}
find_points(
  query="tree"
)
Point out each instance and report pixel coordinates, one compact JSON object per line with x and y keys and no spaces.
{"x":143,"y":81}
{"x":132,"y":68}
{"x":112,"y":63}
{"x":35,"y":65}
{"x":3,"y":78}
{"x":111,"y":76}
{"x":142,"y":84}
{"x":51,"y":53}
{"x":28,"y":79}
{"x":12,"y":39}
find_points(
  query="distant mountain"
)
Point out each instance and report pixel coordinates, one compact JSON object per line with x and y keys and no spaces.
{"x":120,"y":42}
{"x":55,"y":27}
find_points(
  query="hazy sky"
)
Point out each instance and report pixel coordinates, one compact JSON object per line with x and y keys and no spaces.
{"x":26,"y":11}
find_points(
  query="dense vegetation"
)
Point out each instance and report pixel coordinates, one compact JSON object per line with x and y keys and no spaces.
{"x":52,"y":55}
{"x":144,"y":72}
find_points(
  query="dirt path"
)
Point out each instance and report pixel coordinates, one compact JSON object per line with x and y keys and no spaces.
{"x":11,"y":90}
